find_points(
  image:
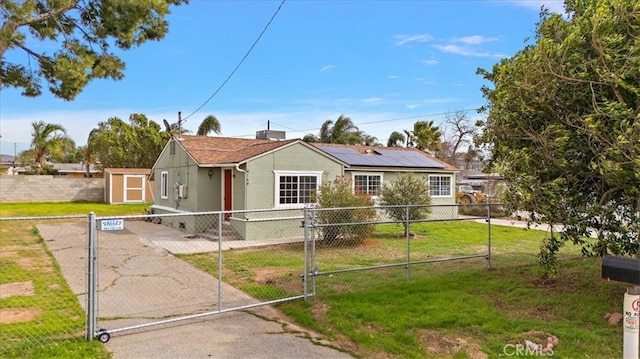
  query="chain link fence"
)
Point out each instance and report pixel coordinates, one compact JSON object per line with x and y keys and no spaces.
{"x":38,"y":306}
{"x":82,"y":277}
{"x":357,"y":249}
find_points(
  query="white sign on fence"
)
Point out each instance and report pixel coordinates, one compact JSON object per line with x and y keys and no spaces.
{"x":112,"y":224}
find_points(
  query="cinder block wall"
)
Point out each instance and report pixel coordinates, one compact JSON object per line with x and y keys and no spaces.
{"x":16,"y":189}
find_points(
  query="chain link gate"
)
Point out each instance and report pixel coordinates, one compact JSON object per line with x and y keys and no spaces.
{"x":156,"y":269}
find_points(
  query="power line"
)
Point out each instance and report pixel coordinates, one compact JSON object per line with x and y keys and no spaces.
{"x":381,"y":121}
{"x":239,"y":63}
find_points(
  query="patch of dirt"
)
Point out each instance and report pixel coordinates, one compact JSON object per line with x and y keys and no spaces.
{"x":516,"y":309}
{"x":41,"y":263}
{"x":284,"y":279}
{"x":17,"y":288}
{"x":18,"y":315}
{"x":440,"y":344}
{"x":17,"y":255}
{"x":483,"y":249}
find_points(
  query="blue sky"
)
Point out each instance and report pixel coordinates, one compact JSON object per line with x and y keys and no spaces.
{"x":384,"y":64}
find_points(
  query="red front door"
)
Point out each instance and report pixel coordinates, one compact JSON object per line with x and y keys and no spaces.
{"x":228,"y":178}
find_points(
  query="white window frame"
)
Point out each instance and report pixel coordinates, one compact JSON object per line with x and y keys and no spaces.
{"x":368,"y":174}
{"x":450,"y":177}
{"x":164,"y":184}
{"x":276,"y":191}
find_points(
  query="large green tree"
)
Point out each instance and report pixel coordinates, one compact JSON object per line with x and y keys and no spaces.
{"x":563,"y":125}
{"x":47,"y":140}
{"x":83,"y":31}
{"x":119,"y":144}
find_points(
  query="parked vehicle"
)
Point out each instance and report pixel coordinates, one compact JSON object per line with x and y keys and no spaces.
{"x":467,"y":195}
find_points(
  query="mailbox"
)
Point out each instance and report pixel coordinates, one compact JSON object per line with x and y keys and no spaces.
{"x":621,"y":269}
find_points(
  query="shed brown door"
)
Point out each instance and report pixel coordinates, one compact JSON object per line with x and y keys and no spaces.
{"x":134,"y":188}
{"x":228,"y":178}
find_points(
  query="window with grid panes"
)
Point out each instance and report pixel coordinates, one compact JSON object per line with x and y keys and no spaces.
{"x":440,"y":186}
{"x":296,"y":189}
{"x":368,"y":184}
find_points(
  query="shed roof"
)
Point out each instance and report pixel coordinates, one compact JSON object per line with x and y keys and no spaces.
{"x":127,"y":171}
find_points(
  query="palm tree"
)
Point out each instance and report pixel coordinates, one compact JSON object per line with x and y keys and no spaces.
{"x":47,"y":138}
{"x":427,"y":136}
{"x":208,"y":125}
{"x":396,"y":139}
{"x":310,"y":138}
{"x":368,"y":140}
{"x":343,"y":131}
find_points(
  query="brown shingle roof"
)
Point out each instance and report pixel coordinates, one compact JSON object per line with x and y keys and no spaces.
{"x":227,"y":150}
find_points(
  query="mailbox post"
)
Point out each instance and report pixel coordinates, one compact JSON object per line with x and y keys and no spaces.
{"x":627,"y":270}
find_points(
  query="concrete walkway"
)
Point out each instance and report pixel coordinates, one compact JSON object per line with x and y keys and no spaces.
{"x":140,"y":281}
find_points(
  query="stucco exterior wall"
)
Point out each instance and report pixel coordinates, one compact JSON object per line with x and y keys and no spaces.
{"x":261,"y":191}
{"x":25,"y":189}
{"x":181,"y":170}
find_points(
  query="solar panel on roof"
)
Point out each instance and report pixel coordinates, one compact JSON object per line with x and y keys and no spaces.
{"x":412,"y":158}
{"x":381,"y":158}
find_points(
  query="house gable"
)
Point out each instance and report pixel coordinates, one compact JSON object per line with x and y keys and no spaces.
{"x":265,"y":172}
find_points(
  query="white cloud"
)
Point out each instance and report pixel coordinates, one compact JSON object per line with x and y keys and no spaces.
{"x":326,"y":68}
{"x":461,"y":50}
{"x":430,"y":62}
{"x":424,"y":81}
{"x":475,"y":39}
{"x":405,"y":39}
{"x":467,"y":45}
{"x":372,"y":100}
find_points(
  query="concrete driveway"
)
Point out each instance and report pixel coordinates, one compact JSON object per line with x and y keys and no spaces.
{"x":141,"y":282}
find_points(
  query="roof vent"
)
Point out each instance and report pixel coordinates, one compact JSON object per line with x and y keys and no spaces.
{"x":270,"y":135}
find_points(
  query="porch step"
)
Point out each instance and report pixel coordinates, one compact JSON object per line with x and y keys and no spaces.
{"x":228,"y":233}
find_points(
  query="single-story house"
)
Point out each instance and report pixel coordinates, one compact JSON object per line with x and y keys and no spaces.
{"x":76,"y":170}
{"x":127,"y":185}
{"x":201,"y":173}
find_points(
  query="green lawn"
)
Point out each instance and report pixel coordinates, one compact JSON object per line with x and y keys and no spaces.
{"x":69,"y":208}
{"x":57,"y":329}
{"x":454,"y":309}
{"x":451,"y":309}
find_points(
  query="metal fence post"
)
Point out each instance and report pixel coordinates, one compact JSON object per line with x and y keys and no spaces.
{"x":91,"y":277}
{"x":305,"y":225}
{"x":489,"y":235}
{"x":408,"y":236}
{"x":314,"y":227}
{"x":220,"y":216}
